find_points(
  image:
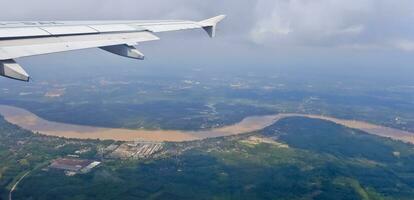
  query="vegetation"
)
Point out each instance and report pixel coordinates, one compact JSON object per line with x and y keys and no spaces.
{"x":22,"y":151}
{"x":150,"y":115}
{"x":323,"y":161}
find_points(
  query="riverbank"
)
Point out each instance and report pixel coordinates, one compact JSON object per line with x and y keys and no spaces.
{"x":30,"y":121}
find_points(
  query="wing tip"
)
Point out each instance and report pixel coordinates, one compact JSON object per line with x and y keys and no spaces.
{"x":209,"y":25}
{"x":213,"y":21}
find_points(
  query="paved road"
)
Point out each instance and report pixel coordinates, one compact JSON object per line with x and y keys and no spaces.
{"x":17,"y":183}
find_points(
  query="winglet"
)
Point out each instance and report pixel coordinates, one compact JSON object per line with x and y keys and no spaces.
{"x":209,"y":25}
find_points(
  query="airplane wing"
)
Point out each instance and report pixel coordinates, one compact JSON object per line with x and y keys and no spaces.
{"x":22,"y":39}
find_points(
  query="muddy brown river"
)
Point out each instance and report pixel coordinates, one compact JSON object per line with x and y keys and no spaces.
{"x":30,"y":121}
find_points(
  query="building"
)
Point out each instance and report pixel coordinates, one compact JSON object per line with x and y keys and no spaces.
{"x":137,"y":150}
{"x":74,"y":165}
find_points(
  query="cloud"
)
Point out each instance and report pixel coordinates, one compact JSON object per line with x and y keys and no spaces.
{"x":351,"y":30}
{"x":305,"y":22}
{"x":332,"y":23}
{"x":405,"y":45}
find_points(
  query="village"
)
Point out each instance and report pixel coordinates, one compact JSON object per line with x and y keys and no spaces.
{"x":73,"y":164}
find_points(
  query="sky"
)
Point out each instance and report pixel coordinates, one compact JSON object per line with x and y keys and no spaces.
{"x":332,"y":35}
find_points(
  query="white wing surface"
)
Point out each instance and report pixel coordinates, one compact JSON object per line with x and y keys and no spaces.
{"x":22,"y":39}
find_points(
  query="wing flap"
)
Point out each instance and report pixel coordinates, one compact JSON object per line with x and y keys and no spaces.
{"x":22,"y":32}
{"x":69,"y":30}
{"x":113,"y":28}
{"x":10,"y":49}
{"x":156,"y":28}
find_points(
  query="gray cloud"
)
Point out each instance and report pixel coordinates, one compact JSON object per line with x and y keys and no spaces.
{"x":354,"y":23}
